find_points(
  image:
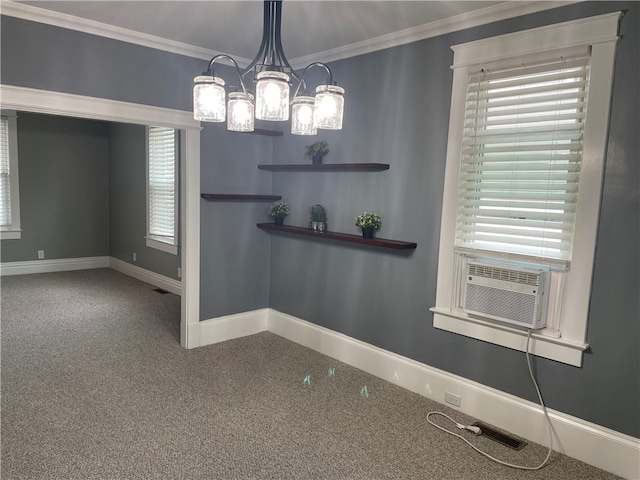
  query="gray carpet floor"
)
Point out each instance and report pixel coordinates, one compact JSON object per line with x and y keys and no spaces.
{"x":95,"y":385}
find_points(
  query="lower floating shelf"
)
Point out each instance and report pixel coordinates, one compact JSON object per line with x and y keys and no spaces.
{"x":341,"y":237}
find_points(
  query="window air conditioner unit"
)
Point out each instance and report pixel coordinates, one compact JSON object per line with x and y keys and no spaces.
{"x":513,"y":295}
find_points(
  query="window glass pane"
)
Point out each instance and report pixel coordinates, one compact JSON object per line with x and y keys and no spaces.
{"x":5,"y":188}
{"x":521,"y":154}
{"x":162,"y":192}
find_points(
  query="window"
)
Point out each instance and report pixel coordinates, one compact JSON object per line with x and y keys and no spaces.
{"x":525,"y":158}
{"x":520,"y":160}
{"x":9,"y":185}
{"x":162,"y":189}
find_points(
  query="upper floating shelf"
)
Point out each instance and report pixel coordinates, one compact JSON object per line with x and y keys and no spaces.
{"x":342,"y":237}
{"x":240,"y":196}
{"x":326,"y":167}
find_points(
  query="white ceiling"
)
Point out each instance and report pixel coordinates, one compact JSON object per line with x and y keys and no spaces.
{"x":334,"y":28}
{"x":235,"y":27}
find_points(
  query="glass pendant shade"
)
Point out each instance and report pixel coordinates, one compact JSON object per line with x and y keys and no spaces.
{"x":302,"y":116}
{"x":209,"y":99}
{"x":240,"y":115}
{"x":329,"y":107}
{"x":272,"y":96}
{"x":272,"y":77}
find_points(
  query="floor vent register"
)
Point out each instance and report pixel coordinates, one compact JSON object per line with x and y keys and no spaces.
{"x":499,"y":437}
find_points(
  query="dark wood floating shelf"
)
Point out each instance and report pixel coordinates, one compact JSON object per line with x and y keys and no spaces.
{"x":326,"y":167}
{"x":266,"y":133}
{"x":341,"y":237}
{"x":242,"y":196}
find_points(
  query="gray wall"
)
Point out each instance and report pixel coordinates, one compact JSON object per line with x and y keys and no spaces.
{"x":397,"y":112}
{"x":64,"y":208}
{"x":128,"y":202}
{"x":83,"y":193}
{"x":42,"y":56}
{"x":234,"y":253}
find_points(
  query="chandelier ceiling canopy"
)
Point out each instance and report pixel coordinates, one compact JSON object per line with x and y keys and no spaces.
{"x":273,"y":78}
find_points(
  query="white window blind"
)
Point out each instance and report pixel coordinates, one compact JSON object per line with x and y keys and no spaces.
{"x":162,"y":184}
{"x":521,"y":157}
{"x":5,"y":187}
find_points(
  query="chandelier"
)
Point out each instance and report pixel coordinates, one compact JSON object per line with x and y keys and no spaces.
{"x":273,"y":78}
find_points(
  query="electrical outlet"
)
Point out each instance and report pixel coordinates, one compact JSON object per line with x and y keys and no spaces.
{"x":179,"y":272}
{"x":40,"y":254}
{"x":134,"y":256}
{"x":452,"y":399}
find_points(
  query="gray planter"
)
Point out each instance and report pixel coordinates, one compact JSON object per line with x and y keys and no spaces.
{"x":318,"y":226}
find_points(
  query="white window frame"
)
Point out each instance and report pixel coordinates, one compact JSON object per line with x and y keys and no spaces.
{"x":13,"y":231}
{"x":570,"y":290}
{"x":153,"y":241}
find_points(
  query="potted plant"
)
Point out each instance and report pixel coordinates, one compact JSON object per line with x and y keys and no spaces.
{"x":318,"y":216}
{"x":369,"y":223}
{"x":316,"y":151}
{"x":279,"y":210}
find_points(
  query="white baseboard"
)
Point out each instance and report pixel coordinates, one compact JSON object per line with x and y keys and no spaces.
{"x":86,"y":263}
{"x":169,"y":284}
{"x":598,"y":446}
{"x":593,"y":444}
{"x":53,"y":265}
{"x":225,"y":328}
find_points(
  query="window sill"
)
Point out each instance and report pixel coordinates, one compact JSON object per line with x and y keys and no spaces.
{"x":558,"y":349}
{"x":11,"y":235}
{"x":160,"y":245}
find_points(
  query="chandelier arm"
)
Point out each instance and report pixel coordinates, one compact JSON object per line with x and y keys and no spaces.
{"x":274,"y":31}
{"x":271,"y":53}
{"x":279,"y":51}
{"x":271,"y":65}
{"x":235,"y":64}
{"x":262,"y":50}
{"x":304,"y":72}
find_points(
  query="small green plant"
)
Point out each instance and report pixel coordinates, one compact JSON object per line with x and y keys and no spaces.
{"x":318,"y":213}
{"x":369,"y":220}
{"x":279,"y":210}
{"x":318,"y":149}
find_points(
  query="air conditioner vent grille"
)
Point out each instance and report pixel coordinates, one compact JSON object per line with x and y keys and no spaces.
{"x":515,"y":306}
{"x":505,"y":274}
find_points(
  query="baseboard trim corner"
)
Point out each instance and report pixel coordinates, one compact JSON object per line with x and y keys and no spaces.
{"x":161,"y":281}
{"x":221,"y":329}
{"x":593,"y":444}
{"x":52,"y":265}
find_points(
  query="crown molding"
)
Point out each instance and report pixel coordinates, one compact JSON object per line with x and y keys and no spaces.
{"x":463,"y":21}
{"x":49,"y":17}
